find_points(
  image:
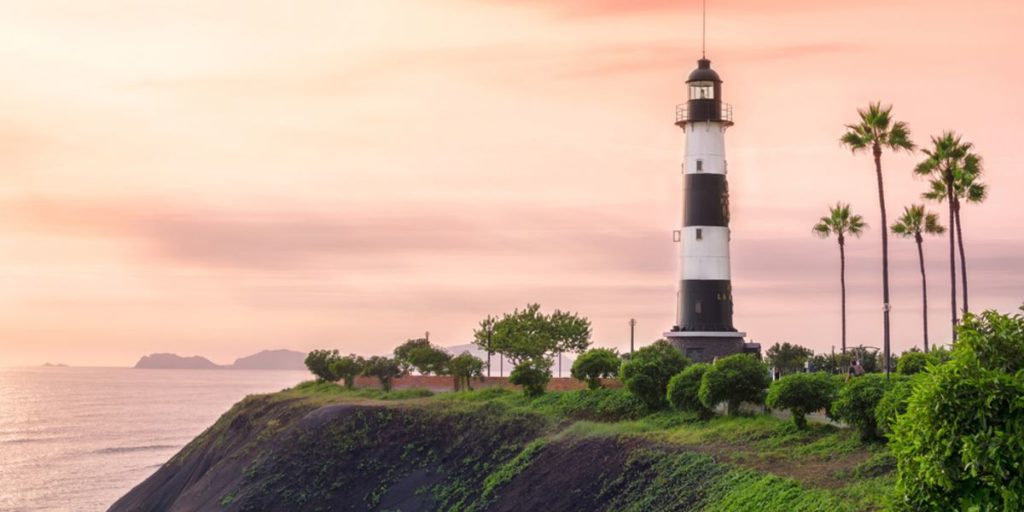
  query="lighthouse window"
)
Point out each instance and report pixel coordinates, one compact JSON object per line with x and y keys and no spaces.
{"x":702,"y":91}
{"x":700,"y":234}
{"x":700,"y":165}
{"x":698,"y":307}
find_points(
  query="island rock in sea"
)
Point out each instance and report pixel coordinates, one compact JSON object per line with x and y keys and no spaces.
{"x":272,"y":360}
{"x":174,"y":361}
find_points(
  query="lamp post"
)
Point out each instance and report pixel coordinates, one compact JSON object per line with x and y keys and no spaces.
{"x":632,"y":329}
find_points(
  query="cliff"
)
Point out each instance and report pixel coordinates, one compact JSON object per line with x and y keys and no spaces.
{"x":320,"y":448}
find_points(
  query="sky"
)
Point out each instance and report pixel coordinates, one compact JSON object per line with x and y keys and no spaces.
{"x":222,"y":177}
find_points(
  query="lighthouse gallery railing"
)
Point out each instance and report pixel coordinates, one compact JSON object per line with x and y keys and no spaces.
{"x":683,"y":112}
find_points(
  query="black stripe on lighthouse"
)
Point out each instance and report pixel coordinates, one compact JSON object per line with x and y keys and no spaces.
{"x":707,"y":200}
{"x":708,"y":305}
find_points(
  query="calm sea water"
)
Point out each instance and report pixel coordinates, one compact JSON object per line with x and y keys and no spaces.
{"x":79,"y":438}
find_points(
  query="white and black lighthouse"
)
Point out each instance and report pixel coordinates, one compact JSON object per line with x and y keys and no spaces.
{"x":704,"y":328}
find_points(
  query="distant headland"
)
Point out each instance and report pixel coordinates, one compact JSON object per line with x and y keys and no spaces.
{"x":265,"y":360}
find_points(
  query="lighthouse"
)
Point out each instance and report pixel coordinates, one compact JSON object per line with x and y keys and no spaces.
{"x":704,"y":328}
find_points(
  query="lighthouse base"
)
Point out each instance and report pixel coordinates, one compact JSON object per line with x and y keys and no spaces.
{"x":705,"y":347}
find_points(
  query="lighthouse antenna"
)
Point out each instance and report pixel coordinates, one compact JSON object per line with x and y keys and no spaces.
{"x":704,"y":30}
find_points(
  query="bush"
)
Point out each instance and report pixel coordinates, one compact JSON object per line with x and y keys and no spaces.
{"x":424,"y":357}
{"x":347,"y":368}
{"x":856,"y":402}
{"x":960,"y":445}
{"x":463,"y":368}
{"x":894,"y":401}
{"x":384,"y":368}
{"x":802,"y":393}
{"x":533,"y":375}
{"x":595,"y":364}
{"x":647,"y":372}
{"x":911,"y":362}
{"x":734,"y":379}
{"x":319,"y":364}
{"x":684,"y":390}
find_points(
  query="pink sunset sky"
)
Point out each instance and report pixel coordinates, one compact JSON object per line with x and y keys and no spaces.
{"x":221,"y":177}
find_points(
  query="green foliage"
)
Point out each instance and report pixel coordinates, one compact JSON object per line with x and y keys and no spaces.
{"x":530,"y":334}
{"x":384,"y":368}
{"x":511,"y":469}
{"x":647,"y":372}
{"x":684,"y":390}
{"x":829,"y":363}
{"x":911,"y":362}
{"x":319,"y":364}
{"x":856,"y":403}
{"x":802,"y":393}
{"x":870,"y":359}
{"x":347,"y":368}
{"x":787,"y":358}
{"x":745,"y":489}
{"x":734,"y":379}
{"x":596,"y":364}
{"x":464,"y":368}
{"x":939,"y":355}
{"x":960,"y":444}
{"x":422,"y":356}
{"x":533,"y":375}
{"x":894,"y":401}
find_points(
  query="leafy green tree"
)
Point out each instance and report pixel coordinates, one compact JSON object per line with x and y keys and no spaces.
{"x":384,"y":368}
{"x":894,"y":401}
{"x":856,"y":402}
{"x":347,"y":368}
{"x":422,"y":356}
{"x":960,"y":444}
{"x":483,"y":336}
{"x":684,"y":390}
{"x":877,"y":131}
{"x":319,"y":364}
{"x":529,"y":334}
{"x":596,"y":364}
{"x":647,"y":372}
{"x":955,"y":172}
{"x":869,"y":358}
{"x":840,"y":222}
{"x":787,"y":358}
{"x":464,"y":368}
{"x":911,"y":362}
{"x":915,"y":223}
{"x":802,"y":393}
{"x":734,"y":379}
{"x":533,"y":375}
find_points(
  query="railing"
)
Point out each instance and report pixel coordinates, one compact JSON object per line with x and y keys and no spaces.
{"x":683,"y":112}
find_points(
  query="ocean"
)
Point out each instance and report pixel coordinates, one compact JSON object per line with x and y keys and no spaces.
{"x":79,"y":438}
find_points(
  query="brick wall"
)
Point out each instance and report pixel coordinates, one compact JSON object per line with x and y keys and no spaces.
{"x":445,"y":383}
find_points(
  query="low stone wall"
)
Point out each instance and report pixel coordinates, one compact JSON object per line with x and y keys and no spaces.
{"x":439,"y":384}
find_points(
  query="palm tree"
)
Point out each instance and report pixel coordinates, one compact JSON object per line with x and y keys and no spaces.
{"x":951,"y":164}
{"x":967,"y":187}
{"x":840,"y":222}
{"x":914,"y":223}
{"x":875,"y":131}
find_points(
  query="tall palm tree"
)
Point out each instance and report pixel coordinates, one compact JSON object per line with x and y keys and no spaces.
{"x":949,"y":158}
{"x":915,"y":223}
{"x":876,"y":131}
{"x":967,"y":188}
{"x":840,"y":222}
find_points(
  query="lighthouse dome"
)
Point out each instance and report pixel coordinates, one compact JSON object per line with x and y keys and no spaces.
{"x":704,"y":73}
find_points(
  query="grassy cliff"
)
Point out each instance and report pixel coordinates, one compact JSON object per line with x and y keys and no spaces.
{"x":319,"y":447}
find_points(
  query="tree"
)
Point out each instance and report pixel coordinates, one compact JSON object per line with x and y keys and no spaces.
{"x":802,"y":393}
{"x":856,"y":402}
{"x":482,"y":337}
{"x":684,"y":390}
{"x":384,"y":368}
{"x":319,"y":364}
{"x":424,"y":357}
{"x":463,"y":368}
{"x":959,"y":444}
{"x":532,"y":374}
{"x":787,"y":358}
{"x":347,"y":368}
{"x":956,"y":178}
{"x":911,"y":362}
{"x":915,"y":223}
{"x":647,"y":372}
{"x":876,"y":131}
{"x":734,"y":379}
{"x":596,"y":364}
{"x":529,"y":334}
{"x":840,"y":222}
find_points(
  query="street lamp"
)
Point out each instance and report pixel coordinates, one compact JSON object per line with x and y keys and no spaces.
{"x":632,"y":329}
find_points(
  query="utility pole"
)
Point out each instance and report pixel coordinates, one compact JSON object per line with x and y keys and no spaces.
{"x":632,"y":329}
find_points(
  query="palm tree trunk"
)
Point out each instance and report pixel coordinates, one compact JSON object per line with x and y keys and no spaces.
{"x":924,"y":290}
{"x":885,"y":257}
{"x":963,"y":260}
{"x":952,"y":251}
{"x":842,"y":284}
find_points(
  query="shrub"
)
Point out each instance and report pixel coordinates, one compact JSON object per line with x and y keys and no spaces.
{"x":734,"y":379}
{"x":911,"y":362}
{"x":802,"y":393}
{"x":787,"y":358}
{"x":595,"y":364}
{"x":960,"y":445}
{"x":347,"y":368}
{"x":319,"y":364}
{"x":684,"y":390}
{"x":940,"y":355}
{"x":647,"y":372}
{"x":384,"y":368}
{"x":894,"y":401}
{"x":424,"y":357}
{"x":856,"y":402}
{"x":533,"y":375}
{"x":463,"y":368}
